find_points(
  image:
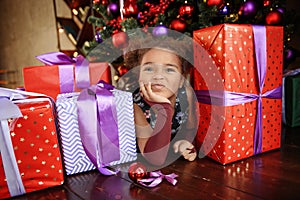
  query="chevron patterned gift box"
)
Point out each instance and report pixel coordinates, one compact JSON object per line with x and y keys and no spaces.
{"x":75,"y":158}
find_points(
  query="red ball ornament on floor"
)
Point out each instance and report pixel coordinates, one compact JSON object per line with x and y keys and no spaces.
{"x":274,"y":18}
{"x":137,"y":171}
{"x":214,"y":2}
{"x":178,"y":25}
{"x":120,"y":40}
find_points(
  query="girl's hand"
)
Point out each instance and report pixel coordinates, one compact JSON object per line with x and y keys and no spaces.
{"x":150,"y":96}
{"x":186,"y":149}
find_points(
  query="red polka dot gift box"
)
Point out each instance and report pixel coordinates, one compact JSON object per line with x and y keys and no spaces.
{"x":238,"y":80}
{"x":30,"y":154}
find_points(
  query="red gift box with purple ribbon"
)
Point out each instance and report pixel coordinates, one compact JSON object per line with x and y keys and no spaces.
{"x":62,"y":74}
{"x":30,"y":155}
{"x":238,"y":83}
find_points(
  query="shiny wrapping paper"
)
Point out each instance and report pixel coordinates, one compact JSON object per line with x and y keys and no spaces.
{"x":63,"y":75}
{"x":36,"y":148}
{"x":76,"y":159}
{"x":241,"y":128}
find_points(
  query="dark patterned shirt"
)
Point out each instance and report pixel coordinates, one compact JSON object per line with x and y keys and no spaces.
{"x":180,"y":110}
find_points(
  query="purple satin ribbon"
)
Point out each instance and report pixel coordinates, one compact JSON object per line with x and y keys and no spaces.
{"x":157,"y":177}
{"x":66,"y":74}
{"x":98,"y":126}
{"x":226,"y":98}
{"x":10,"y":110}
{"x":66,"y":78}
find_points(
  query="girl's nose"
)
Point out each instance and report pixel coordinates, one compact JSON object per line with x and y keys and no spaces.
{"x":158,"y":76}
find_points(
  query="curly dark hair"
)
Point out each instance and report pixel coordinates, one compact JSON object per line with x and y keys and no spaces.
{"x":139,"y":46}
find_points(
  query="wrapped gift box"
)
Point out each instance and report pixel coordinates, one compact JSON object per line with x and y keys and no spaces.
{"x":30,"y":152}
{"x":63,"y":75}
{"x":292,"y":100}
{"x":75,"y":157}
{"x":237,"y":79}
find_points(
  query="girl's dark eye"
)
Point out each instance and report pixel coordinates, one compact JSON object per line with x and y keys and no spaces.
{"x":169,"y":69}
{"x":148,"y":69}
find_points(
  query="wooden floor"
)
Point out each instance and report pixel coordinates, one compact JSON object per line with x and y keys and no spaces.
{"x":272,"y":175}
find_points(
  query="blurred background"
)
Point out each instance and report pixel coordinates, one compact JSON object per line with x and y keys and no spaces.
{"x":30,"y":27}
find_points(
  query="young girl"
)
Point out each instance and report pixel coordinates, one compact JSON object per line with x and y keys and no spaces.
{"x":164,"y":106}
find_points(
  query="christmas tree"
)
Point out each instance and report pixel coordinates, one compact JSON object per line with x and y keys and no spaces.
{"x":185,"y":16}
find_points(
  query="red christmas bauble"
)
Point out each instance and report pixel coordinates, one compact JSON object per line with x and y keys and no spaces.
{"x":96,"y":1}
{"x":214,"y":2}
{"x":267,"y":2}
{"x":178,"y":25}
{"x":137,"y":171}
{"x":122,"y":70}
{"x":130,"y":9}
{"x":186,"y":11}
{"x":274,"y":18}
{"x":120,"y":40}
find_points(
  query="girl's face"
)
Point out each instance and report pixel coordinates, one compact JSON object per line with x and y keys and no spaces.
{"x":163,"y":70}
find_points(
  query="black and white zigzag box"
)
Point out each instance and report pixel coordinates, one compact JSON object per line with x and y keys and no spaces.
{"x":75,"y":158}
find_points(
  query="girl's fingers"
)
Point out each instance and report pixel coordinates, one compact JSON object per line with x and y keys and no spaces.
{"x":189,"y":153}
{"x":191,"y":157}
{"x":149,"y":87}
{"x":144,"y":90}
{"x":149,"y":90}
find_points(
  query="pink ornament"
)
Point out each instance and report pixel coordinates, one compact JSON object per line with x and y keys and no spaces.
{"x":120,"y":40}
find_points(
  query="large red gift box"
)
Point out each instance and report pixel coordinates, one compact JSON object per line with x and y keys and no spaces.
{"x":59,"y":76}
{"x":34,"y":160}
{"x":237,"y":79}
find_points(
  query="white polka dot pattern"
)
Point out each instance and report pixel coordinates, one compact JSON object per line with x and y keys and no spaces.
{"x":231,"y":51}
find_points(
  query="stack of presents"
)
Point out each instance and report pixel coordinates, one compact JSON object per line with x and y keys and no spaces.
{"x":60,"y":123}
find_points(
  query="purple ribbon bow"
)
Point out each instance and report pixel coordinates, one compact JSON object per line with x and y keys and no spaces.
{"x":157,"y":177}
{"x":98,"y":127}
{"x":66,"y":74}
{"x":226,"y":98}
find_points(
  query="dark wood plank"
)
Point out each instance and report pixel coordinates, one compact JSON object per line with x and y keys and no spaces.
{"x":94,"y":185}
{"x":271,"y":175}
{"x":58,"y":193}
{"x":255,"y":177}
{"x":188,"y":185}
